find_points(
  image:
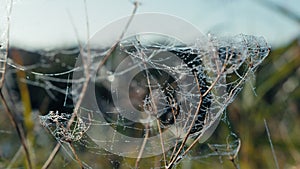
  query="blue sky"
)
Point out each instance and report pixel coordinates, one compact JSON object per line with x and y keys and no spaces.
{"x":45,"y":24}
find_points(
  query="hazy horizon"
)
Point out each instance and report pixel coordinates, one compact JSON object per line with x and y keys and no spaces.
{"x":44,"y":24}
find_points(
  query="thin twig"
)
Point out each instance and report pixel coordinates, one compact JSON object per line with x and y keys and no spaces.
{"x":138,"y":159}
{"x":76,"y":156}
{"x":19,"y":129}
{"x":120,"y":38}
{"x":162,"y":142}
{"x":51,"y":157}
{"x":147,"y":125}
{"x":271,"y":144}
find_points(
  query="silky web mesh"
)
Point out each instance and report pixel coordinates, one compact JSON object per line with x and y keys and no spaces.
{"x":152,"y":96}
{"x":151,"y":100}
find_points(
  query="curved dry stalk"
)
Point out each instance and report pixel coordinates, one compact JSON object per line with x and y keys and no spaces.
{"x":220,"y":72}
{"x":3,"y":60}
{"x":200,"y":136}
{"x":19,"y":129}
{"x":174,"y":158}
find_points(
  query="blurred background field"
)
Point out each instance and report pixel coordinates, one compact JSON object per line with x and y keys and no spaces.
{"x":273,"y":96}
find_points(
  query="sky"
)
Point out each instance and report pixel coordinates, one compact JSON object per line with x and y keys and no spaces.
{"x":49,"y":24}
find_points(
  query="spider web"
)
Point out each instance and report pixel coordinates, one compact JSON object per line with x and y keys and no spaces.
{"x":156,"y":97}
